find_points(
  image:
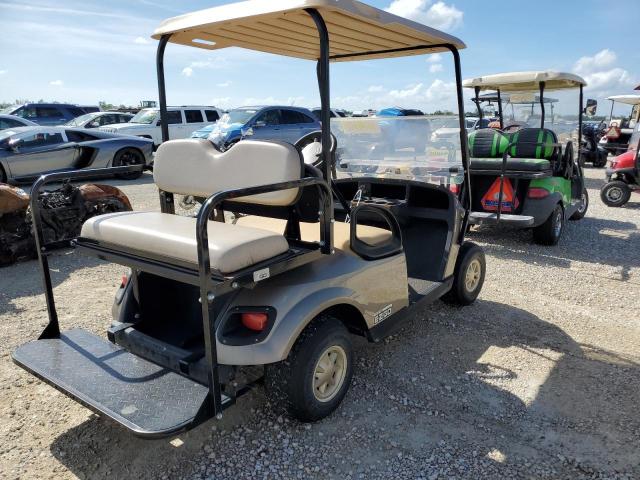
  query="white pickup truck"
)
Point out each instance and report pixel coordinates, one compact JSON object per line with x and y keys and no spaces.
{"x":183,"y":121}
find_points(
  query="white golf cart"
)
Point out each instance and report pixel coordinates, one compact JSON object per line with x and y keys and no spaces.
{"x":616,"y":137}
{"x":212,"y":308}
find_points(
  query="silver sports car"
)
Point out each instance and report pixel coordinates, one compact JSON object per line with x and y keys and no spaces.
{"x":27,"y":152}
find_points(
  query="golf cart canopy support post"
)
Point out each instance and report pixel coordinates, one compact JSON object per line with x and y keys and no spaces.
{"x":500,"y":109}
{"x":542,"y":104}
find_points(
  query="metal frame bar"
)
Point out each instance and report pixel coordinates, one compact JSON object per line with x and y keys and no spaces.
{"x":477,"y":92}
{"x":52,"y":330}
{"x":542,"y":111}
{"x":500,"y":109}
{"x":208,"y":290}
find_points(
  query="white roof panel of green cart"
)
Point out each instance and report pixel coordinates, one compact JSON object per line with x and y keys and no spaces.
{"x":628,"y":99}
{"x":283,"y":27}
{"x":525,"y":81}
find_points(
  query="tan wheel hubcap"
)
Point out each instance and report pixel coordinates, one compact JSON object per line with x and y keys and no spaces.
{"x":472,"y":278}
{"x":329,"y":373}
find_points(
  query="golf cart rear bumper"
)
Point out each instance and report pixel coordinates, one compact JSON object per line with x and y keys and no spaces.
{"x":146,"y":398}
{"x":491,"y":218}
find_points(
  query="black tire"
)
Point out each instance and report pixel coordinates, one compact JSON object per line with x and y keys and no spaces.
{"x":128,"y":156}
{"x":550,"y":231}
{"x":584,"y":206}
{"x":468,"y":277}
{"x":600,"y":161}
{"x":290,"y":384}
{"x":3,"y":176}
{"x":615,"y":194}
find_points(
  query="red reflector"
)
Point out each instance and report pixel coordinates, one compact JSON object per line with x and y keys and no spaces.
{"x":124,"y":281}
{"x":254,"y":321}
{"x":454,"y":188}
{"x":536,"y":192}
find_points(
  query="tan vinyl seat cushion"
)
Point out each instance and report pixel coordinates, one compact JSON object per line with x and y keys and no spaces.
{"x":310,"y":232}
{"x":231,"y":247}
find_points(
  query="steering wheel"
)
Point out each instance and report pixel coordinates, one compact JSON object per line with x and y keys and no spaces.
{"x":310,"y":146}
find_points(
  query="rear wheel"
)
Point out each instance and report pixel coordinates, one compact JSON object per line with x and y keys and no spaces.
{"x":315,"y":377}
{"x":615,"y":194}
{"x":468,"y":275}
{"x":582,"y":209}
{"x":128,"y":157}
{"x":550,"y":231}
{"x":3,"y":176}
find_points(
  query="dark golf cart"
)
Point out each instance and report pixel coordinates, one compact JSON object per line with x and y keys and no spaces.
{"x":213,"y":307}
{"x":527,"y":174}
{"x":619,"y":130}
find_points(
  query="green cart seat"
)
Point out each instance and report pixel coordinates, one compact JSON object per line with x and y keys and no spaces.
{"x":534,"y":143}
{"x":487,"y":143}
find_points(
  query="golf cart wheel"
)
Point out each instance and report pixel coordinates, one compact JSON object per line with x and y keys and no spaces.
{"x":468,"y":276}
{"x":615,"y":194}
{"x":128,"y":157}
{"x":550,"y":231}
{"x":315,"y":377}
{"x":582,"y":209}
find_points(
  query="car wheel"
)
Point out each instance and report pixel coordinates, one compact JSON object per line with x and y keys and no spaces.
{"x":128,"y":157}
{"x":615,"y":194}
{"x":3,"y":176}
{"x":550,"y":231}
{"x":582,"y":209}
{"x":468,"y":275}
{"x":315,"y":377}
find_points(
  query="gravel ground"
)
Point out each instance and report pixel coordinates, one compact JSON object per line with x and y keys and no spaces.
{"x":538,"y":379}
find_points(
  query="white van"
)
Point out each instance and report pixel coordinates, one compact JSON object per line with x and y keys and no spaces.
{"x":183,"y":121}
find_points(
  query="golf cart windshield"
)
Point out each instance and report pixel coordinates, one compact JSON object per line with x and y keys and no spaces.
{"x":425,"y":148}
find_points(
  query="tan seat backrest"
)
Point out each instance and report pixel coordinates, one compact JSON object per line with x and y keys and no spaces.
{"x":195,"y":167}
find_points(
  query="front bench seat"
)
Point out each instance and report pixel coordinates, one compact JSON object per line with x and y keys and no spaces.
{"x":196,"y":167}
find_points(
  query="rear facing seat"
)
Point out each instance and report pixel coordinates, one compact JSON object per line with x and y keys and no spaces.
{"x":487,"y":147}
{"x":196,"y":167}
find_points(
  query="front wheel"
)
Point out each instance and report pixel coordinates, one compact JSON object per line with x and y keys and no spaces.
{"x":550,"y":231}
{"x":582,"y":209}
{"x":315,"y":377}
{"x":468,"y":275}
{"x":615,"y":194}
{"x":128,"y":157}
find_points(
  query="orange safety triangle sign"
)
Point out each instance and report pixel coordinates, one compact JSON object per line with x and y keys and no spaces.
{"x":509,"y":199}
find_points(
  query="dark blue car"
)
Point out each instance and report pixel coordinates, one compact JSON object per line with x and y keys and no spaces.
{"x":46,"y":113}
{"x":288,"y":124}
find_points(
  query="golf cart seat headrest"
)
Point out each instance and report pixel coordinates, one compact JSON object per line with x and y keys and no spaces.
{"x":195,"y":167}
{"x":487,"y":143}
{"x":533,"y":143}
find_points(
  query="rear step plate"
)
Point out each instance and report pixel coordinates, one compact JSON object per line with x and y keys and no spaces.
{"x":144,"y":397}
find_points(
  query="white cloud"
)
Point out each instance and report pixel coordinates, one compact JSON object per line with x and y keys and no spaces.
{"x":187,"y":71}
{"x":217,"y":63}
{"x":437,"y":15}
{"x":141,"y":41}
{"x":56,"y":83}
{"x":603,"y":59}
{"x":435,"y":68}
{"x":434,"y":58}
{"x":224,"y":84}
{"x":410,"y":91}
{"x":602,"y":76}
{"x":3,"y":72}
{"x":298,"y":101}
{"x":221,"y":102}
{"x":375,"y":88}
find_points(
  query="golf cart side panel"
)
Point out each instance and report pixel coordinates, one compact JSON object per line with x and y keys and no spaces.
{"x":300,"y":295}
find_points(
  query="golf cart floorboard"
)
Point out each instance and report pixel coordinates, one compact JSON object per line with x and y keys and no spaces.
{"x":148,"y":399}
{"x":419,"y":288}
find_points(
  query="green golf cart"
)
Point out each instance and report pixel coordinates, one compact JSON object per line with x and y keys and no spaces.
{"x":526,"y":173}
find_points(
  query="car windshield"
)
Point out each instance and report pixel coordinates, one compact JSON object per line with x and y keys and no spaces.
{"x":145,"y":116}
{"x":75,"y":122}
{"x":398,"y":147}
{"x":8,"y":109}
{"x":238,"y":116}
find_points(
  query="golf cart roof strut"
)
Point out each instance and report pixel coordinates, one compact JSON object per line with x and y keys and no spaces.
{"x":542,"y":104}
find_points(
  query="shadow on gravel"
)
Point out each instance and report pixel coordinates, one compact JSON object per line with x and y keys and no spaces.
{"x":23,"y":279}
{"x":490,"y":382}
{"x":621,"y":242}
{"x":508,"y":381}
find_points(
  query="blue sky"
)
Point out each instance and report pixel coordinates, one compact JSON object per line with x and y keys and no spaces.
{"x":84,"y":51}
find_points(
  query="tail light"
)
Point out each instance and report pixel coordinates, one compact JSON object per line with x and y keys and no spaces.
{"x":454,"y":188}
{"x":537,"y":192}
{"x":256,"y":321}
{"x":124,"y":281}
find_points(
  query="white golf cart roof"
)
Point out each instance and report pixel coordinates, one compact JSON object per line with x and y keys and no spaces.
{"x":525,"y":81}
{"x":283,"y":27}
{"x":628,"y":99}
